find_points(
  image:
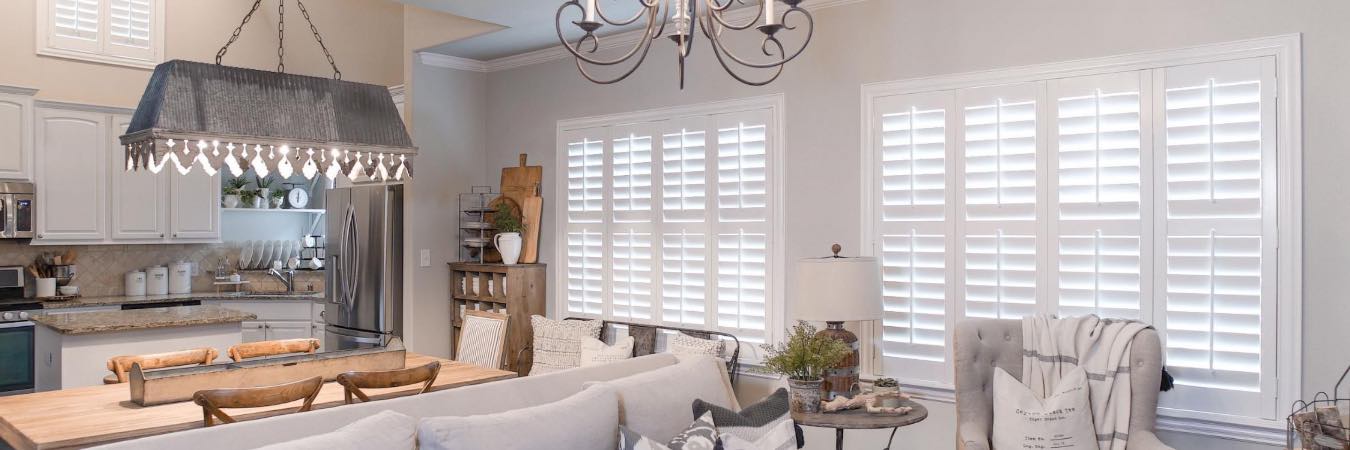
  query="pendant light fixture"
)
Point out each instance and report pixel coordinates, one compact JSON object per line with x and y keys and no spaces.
{"x":712,"y":17}
{"x":218,"y":117}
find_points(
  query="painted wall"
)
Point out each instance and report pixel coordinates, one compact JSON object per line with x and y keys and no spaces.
{"x":881,"y":40}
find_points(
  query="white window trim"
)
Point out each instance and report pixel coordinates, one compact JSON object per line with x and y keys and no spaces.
{"x":1287,"y":50}
{"x":776,"y":104}
{"x":43,"y":21}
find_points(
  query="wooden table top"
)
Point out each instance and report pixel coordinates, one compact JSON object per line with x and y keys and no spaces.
{"x":859,"y":419}
{"x":96,"y":415}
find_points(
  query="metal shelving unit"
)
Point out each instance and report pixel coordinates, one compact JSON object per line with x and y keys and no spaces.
{"x":475,"y":233}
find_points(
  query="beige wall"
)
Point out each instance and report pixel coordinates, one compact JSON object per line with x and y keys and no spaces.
{"x":881,"y":40}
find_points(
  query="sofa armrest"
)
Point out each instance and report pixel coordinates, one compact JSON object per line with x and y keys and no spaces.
{"x":970,"y":436}
{"x":1145,"y":440}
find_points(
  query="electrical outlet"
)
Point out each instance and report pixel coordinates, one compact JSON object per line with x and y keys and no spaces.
{"x":425,"y":256}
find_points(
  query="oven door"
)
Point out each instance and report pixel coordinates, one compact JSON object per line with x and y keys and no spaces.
{"x":16,"y":358}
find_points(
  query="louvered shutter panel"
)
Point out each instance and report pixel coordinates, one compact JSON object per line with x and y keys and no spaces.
{"x":910,"y":241}
{"x":1218,"y":236}
{"x":742,"y":225}
{"x":632,"y":241}
{"x":1097,"y":224}
{"x":129,"y":23}
{"x":585,"y":269}
{"x":684,"y":171}
{"x":631,"y":166}
{"x":1000,"y":229}
{"x":684,"y":276}
{"x":76,"y":19}
{"x":586,"y":230}
{"x":632,"y":254}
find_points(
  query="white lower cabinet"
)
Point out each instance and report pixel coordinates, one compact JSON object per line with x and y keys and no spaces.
{"x":254,"y":331}
{"x":277,"y":319}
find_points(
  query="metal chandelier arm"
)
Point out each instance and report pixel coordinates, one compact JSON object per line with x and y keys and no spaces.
{"x":770,"y":37}
{"x":642,"y":44}
{"x":600,"y":12}
{"x":585,"y":73}
{"x":718,"y":51}
{"x":716,"y":13}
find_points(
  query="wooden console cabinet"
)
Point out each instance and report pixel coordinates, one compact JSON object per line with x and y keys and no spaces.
{"x":517,"y":290}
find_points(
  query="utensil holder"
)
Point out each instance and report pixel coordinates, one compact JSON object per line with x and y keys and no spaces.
{"x":46,"y":287}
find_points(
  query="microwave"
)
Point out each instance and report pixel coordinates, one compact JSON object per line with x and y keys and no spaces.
{"x":17,"y":210}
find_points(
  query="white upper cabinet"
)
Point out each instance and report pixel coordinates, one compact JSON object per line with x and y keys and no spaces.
{"x":194,"y":213}
{"x":16,"y":136}
{"x":71,"y":175}
{"x":136,"y":215}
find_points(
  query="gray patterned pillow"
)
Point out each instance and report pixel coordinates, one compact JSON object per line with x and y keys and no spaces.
{"x":557,"y":343}
{"x":700,"y":435}
{"x":763,"y":425}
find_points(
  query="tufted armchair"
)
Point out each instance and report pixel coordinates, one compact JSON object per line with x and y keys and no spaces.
{"x":982,"y":344}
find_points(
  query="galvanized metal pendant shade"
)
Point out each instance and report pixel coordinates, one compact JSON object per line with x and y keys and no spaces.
{"x":209,"y":115}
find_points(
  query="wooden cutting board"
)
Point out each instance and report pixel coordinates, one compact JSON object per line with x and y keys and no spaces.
{"x":520,"y":181}
{"x":531,"y":211}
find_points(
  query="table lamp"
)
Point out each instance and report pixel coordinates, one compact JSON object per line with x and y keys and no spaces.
{"x":833,"y":290}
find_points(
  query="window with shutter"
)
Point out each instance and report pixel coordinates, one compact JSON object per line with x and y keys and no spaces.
{"x":76,"y":19}
{"x":129,"y":23}
{"x":124,"y":32}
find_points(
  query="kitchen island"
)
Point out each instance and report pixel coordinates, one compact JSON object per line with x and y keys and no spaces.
{"x":72,"y":350}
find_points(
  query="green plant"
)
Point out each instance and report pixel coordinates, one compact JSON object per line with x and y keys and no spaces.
{"x":506,"y":219}
{"x":233,"y":186}
{"x":277,"y":194}
{"x":805,"y":356}
{"x":886,"y":382}
{"x":263,"y":182}
{"x":246,"y":197}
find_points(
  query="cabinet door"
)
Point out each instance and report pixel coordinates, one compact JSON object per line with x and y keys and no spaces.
{"x":195,"y":206}
{"x":289,"y":330}
{"x":254,"y":331}
{"x":71,"y":176}
{"x":139,"y":212}
{"x":16,"y":137}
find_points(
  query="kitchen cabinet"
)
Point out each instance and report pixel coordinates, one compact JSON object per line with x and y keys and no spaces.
{"x":70,"y":174}
{"x":16,"y":133}
{"x":278,"y":329}
{"x":134,"y":216}
{"x":195,"y":206}
{"x":277,"y":319}
{"x":254,"y":331}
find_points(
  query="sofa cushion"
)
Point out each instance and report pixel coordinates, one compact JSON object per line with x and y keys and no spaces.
{"x":684,"y":345}
{"x":655,"y":404}
{"x":763,"y":425}
{"x":594,"y":352}
{"x":557,"y":343}
{"x":1062,"y":419}
{"x":385,"y":430}
{"x":589,"y":419}
{"x":699,"y":435}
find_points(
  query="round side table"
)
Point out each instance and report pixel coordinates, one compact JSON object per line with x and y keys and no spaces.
{"x":858,"y":419}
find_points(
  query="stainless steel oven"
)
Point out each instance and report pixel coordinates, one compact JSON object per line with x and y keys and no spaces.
{"x":17,"y":210}
{"x":16,"y":334}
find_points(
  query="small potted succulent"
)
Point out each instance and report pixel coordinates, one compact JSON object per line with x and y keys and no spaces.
{"x":885,"y":386}
{"x":231,"y":192}
{"x":278,"y":196}
{"x":507,"y":222}
{"x":250,"y":198}
{"x":803,"y":358}
{"x":264,"y":190}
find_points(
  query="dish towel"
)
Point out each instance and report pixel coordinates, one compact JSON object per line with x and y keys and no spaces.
{"x":1052,"y":347}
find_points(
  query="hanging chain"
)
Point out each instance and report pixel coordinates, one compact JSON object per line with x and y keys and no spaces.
{"x":220,"y":55}
{"x":281,"y":36}
{"x":337,"y":74}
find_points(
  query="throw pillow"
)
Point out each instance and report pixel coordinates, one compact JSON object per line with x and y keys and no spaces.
{"x":656,"y":403}
{"x":557,"y":343}
{"x":685,"y":345}
{"x":587,"y":419}
{"x":1062,"y":421}
{"x":699,"y":435}
{"x":387,"y":429}
{"x":594,"y":352}
{"x":766,"y":425}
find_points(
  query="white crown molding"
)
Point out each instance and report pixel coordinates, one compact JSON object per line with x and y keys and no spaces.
{"x":452,"y":62}
{"x":18,"y":90}
{"x":69,"y":106}
{"x":625,"y":39}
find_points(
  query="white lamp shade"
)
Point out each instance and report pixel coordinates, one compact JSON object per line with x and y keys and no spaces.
{"x":837,"y":289}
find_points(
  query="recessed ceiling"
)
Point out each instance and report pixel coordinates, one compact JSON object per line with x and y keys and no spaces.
{"x":528,"y":24}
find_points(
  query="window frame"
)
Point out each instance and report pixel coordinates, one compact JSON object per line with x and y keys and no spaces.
{"x":776,"y":149}
{"x":45,"y":36}
{"x":1286,"y":50}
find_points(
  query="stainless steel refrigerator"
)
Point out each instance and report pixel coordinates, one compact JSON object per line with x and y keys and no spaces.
{"x":363,"y":266}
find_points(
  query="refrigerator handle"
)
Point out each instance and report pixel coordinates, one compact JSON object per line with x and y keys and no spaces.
{"x":351,"y":249}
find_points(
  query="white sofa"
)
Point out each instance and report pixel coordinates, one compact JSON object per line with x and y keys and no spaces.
{"x":655,"y":372}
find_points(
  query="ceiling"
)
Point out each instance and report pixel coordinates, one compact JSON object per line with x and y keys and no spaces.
{"x":527,"y":24}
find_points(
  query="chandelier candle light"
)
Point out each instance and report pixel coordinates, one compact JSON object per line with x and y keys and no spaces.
{"x":711,"y":17}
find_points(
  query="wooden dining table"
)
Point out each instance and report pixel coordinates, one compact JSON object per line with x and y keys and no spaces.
{"x":97,"y":415}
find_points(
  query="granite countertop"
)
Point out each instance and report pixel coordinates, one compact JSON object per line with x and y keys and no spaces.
{"x":85,"y":302}
{"x":139,"y":319}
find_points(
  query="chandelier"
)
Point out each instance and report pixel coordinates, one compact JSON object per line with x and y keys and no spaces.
{"x":712,"y":17}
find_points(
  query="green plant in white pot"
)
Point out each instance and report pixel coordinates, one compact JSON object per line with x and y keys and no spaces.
{"x":231,"y":191}
{"x":803,"y":358}
{"x":506,"y":219}
{"x":264,"y":191}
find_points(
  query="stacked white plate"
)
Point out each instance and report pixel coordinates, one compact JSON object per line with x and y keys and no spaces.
{"x":256,"y":255}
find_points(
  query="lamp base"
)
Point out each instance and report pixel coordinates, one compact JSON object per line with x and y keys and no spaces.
{"x":843,"y":378}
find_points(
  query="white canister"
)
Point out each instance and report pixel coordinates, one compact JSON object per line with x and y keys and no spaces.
{"x":508,"y":244}
{"x":156,"y":280}
{"x":135,"y":283}
{"x":46,"y":287}
{"x":180,"y":277}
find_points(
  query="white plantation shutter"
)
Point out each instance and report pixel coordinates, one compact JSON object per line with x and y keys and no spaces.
{"x":77,"y":19}
{"x":585,"y":270}
{"x":632,"y":255}
{"x":114,"y":31}
{"x":742,"y":284}
{"x":586,"y":231}
{"x":585,"y":179}
{"x":910,"y":186}
{"x":1000,"y":143}
{"x":742,"y":224}
{"x":129,"y":23}
{"x":631,"y":166}
{"x":684,"y":278}
{"x":1217,"y":236}
{"x":1097,"y":223}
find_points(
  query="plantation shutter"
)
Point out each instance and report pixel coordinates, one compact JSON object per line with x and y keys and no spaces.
{"x":75,"y":24}
{"x":910,"y":231}
{"x":632,"y":241}
{"x":1217,"y":238}
{"x":1097,"y":229}
{"x":586,"y":231}
{"x":1000,"y":211}
{"x":742,"y":225}
{"x":129,"y":23}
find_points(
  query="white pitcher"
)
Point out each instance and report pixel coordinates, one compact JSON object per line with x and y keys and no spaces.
{"x":508,"y":244}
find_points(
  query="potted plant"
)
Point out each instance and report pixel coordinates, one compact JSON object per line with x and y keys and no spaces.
{"x":506,"y":219}
{"x":803,"y":358}
{"x":231,"y":191}
{"x":264,"y":189}
{"x":885,"y":386}
{"x":278,"y":196}
{"x":250,"y":198}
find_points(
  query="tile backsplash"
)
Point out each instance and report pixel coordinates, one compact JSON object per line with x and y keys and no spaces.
{"x":101,"y":269}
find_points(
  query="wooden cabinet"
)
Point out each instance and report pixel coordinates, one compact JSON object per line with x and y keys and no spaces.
{"x":16,"y":134}
{"x":137,"y":212}
{"x":71,"y":174}
{"x":516,"y":290}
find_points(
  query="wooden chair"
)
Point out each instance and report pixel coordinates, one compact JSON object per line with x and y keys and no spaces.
{"x":244,"y":351}
{"x":121,"y":365}
{"x":482,"y":339}
{"x":354,"y":382}
{"x":212,"y":400}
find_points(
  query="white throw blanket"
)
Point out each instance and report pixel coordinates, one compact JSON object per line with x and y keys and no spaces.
{"x":1052,"y":347}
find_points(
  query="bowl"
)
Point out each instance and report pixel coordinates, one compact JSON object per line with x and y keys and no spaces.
{"x":69,"y":290}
